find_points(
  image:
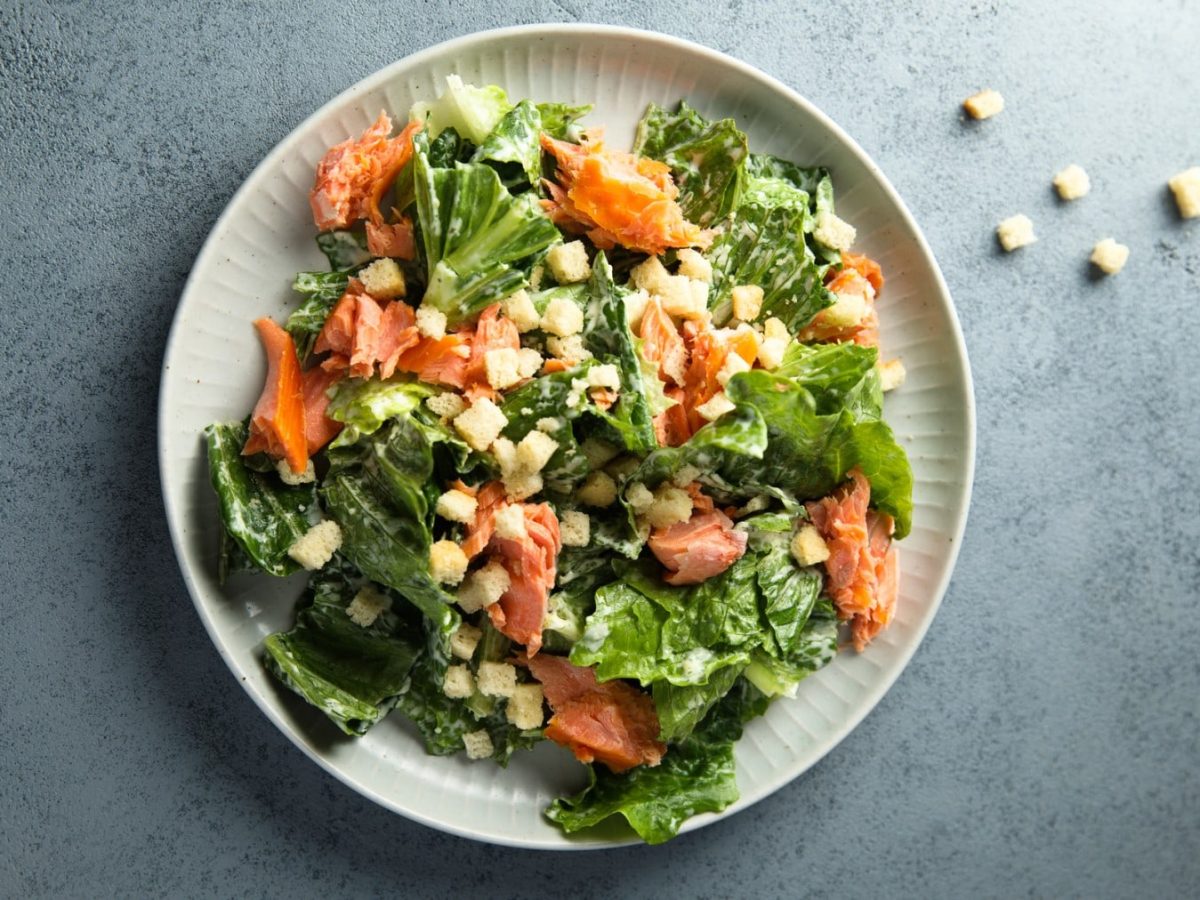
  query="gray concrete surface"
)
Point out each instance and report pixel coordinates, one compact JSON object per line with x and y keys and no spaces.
{"x":1044,"y":741}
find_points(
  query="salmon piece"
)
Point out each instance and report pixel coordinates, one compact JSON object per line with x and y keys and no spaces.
{"x":277,"y":425}
{"x":336,"y":362}
{"x":866,"y":267}
{"x":368,"y":325}
{"x":627,"y":199}
{"x":337,"y":334}
{"x":392,"y":239}
{"x":397,"y":333}
{"x":353,"y":176}
{"x":696,"y":550}
{"x":552,"y":365}
{"x":671,"y":426}
{"x":708,"y":351}
{"x":532,"y":568}
{"x":662,"y":343}
{"x":861,"y":573}
{"x":700,"y":500}
{"x":442,"y":361}
{"x":319,"y":429}
{"x":531,"y":563}
{"x":492,"y":332}
{"x":611,"y":722}
{"x":604,"y":398}
{"x":847,"y":281}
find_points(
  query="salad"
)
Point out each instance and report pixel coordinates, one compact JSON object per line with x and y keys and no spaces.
{"x":575,"y":444}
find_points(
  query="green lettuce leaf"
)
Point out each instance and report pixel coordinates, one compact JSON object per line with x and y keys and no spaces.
{"x":813,"y":647}
{"x":707,"y":159}
{"x":344,"y":249}
{"x":352,"y":674}
{"x":765,"y":244}
{"x":558,"y":119}
{"x":515,"y":143}
{"x":839,"y":376}
{"x":381,"y":492}
{"x":607,"y":336}
{"x":261,"y":514}
{"x":471,"y":111}
{"x":681,"y":708}
{"x":364,"y":406}
{"x":321,"y":292}
{"x":475,"y":234}
{"x":694,"y":777}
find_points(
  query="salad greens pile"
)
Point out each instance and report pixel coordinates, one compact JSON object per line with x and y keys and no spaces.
{"x":710,"y":655}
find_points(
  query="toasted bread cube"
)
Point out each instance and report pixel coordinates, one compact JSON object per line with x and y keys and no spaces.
{"x":650,"y":276}
{"x":671,"y":505}
{"x":833,"y":232}
{"x":605,"y":376}
{"x":483,"y":587}
{"x":598,"y":489}
{"x":383,"y":279}
{"x":732,"y":366}
{"x":529,"y":361}
{"x":521,"y":485}
{"x":520,"y":309}
{"x":639,"y":497}
{"x":288,"y":477}
{"x":367,"y":606}
{"x":1015,"y":232}
{"x":1072,"y":182}
{"x":716,"y":407}
{"x":457,"y":506}
{"x":569,"y":349}
{"x":635,"y":306}
{"x":447,"y":405}
{"x":686,"y":475}
{"x":535,"y":450}
{"x":459,"y":683}
{"x":694,"y":266}
{"x":316,"y":546}
{"x":599,"y":453}
{"x":575,"y":528}
{"x":524,"y":707}
{"x":847,"y":311}
{"x":747,"y":302}
{"x":480,"y":424}
{"x":562,"y":318}
{"x":447,"y":562}
{"x":808,"y":547}
{"x":497,"y":679}
{"x":569,"y":263}
{"x":464,"y":641}
{"x":503,"y":367}
{"x":1109,"y":257}
{"x":478,"y":744}
{"x":510,"y":523}
{"x":1186,"y":188}
{"x":431,"y":322}
{"x":984,"y":105}
{"x":891,"y":374}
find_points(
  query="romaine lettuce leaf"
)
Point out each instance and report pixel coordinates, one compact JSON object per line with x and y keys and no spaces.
{"x":558,"y":119}
{"x":545,"y":397}
{"x":471,"y":111}
{"x":680,"y":708}
{"x":364,"y":406}
{"x":839,"y":376}
{"x":344,"y":249}
{"x":813,"y":647}
{"x":515,"y":143}
{"x":607,"y":336}
{"x":258,"y":511}
{"x":475,"y":234}
{"x":381,"y":492}
{"x":765,"y":244}
{"x":707,"y":159}
{"x":694,"y":777}
{"x":789,"y":594}
{"x":352,"y":674}
{"x":321,"y":291}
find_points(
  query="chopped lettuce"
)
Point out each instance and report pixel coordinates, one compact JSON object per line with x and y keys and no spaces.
{"x":682,"y":707}
{"x":344,"y":249}
{"x":471,"y":111}
{"x":475,"y":234}
{"x":607,"y":336}
{"x":559,"y":119}
{"x":259,"y":513}
{"x":365,"y":405}
{"x":814,"y":646}
{"x":696,"y":776}
{"x":321,"y":292}
{"x":515,"y":143}
{"x":707,"y":159}
{"x":352,"y":674}
{"x":381,"y":492}
{"x":765,"y":244}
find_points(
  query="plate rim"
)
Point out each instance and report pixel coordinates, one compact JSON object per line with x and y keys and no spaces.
{"x":548,"y":29}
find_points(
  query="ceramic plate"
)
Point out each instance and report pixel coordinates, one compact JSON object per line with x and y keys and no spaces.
{"x":213,"y":371}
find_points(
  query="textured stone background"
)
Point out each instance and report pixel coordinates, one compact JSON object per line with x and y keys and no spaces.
{"x":1044,"y":740}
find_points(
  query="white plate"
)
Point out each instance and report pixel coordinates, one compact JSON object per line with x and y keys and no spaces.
{"x":213,"y":371}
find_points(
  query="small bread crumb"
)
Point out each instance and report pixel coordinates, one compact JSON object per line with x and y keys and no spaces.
{"x":1109,"y":257}
{"x":1186,"y":188}
{"x":1072,"y":182}
{"x":1015,"y":232}
{"x":984,"y":105}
